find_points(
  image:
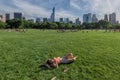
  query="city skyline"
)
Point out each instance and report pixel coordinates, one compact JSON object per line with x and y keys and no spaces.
{"x":70,"y":9}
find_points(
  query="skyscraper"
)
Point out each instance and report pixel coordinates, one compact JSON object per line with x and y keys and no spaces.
{"x":31,"y":20}
{"x":66,"y":20}
{"x":45,"y":19}
{"x":2,"y":18}
{"x":38,"y":20}
{"x":61,"y":20}
{"x":106,"y":17}
{"x":87,"y":18}
{"x":112,"y":18}
{"x":117,"y":22}
{"x":17,"y":15}
{"x":77,"y":21}
{"x":7,"y":16}
{"x":52,"y":17}
{"x":94,"y":18}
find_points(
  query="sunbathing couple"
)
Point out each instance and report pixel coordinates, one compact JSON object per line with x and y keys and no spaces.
{"x":53,"y":63}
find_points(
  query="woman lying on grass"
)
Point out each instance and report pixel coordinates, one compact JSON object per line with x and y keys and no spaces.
{"x":53,"y":63}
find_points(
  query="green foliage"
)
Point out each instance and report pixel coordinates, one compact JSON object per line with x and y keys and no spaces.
{"x":14,"y":23}
{"x":68,"y":26}
{"x":104,"y":24}
{"x":51,"y":25}
{"x":2,"y":25}
{"x":61,"y":25}
{"x":44,"y":25}
{"x":25,"y":24}
{"x":87,"y":25}
{"x":116,"y":26}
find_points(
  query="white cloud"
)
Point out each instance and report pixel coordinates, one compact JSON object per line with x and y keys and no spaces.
{"x":65,"y":14}
{"x":31,"y":10}
{"x":100,"y":7}
{"x":78,"y":7}
{"x":75,"y":5}
{"x":5,"y":8}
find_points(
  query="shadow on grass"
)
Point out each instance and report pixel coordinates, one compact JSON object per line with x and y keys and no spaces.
{"x":43,"y":67}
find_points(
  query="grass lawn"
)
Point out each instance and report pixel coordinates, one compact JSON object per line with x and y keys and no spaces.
{"x":21,"y":54}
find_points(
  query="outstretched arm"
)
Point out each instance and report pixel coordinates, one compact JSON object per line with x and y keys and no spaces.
{"x":75,"y":58}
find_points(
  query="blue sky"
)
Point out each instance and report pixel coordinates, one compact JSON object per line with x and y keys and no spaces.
{"x":64,"y":8}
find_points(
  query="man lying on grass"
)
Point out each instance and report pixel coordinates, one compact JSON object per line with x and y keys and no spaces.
{"x":53,"y":63}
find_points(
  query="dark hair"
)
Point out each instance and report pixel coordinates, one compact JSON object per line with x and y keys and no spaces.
{"x":50,"y":61}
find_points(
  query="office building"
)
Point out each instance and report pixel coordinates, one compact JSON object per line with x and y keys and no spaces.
{"x":66,"y":20}
{"x":71,"y":22}
{"x":87,"y":18}
{"x":17,"y":15}
{"x":7,"y":16}
{"x":94,"y":18}
{"x":31,"y":20}
{"x":2,"y":18}
{"x":45,"y":19}
{"x":106,"y":17}
{"x":38,"y":20}
{"x":52,"y":17}
{"x":112,"y":18}
{"x":61,"y":20}
{"x":77,"y":21}
{"x":117,"y":22}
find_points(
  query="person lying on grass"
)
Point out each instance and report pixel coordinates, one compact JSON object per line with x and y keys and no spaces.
{"x":53,"y":63}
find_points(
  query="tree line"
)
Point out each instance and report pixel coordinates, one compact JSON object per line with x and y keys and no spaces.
{"x":25,"y":24}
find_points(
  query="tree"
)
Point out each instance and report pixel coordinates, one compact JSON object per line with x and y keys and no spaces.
{"x":60,"y":25}
{"x":117,"y":26}
{"x":14,"y":23}
{"x":52,"y":25}
{"x":44,"y":25}
{"x":2,"y":25}
{"x":87,"y":25}
{"x":68,"y":26}
{"x":104,"y":24}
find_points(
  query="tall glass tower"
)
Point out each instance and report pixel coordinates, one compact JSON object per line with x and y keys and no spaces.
{"x":53,"y":15}
{"x":87,"y":18}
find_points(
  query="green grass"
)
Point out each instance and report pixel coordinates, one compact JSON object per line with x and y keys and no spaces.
{"x":21,"y":54}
